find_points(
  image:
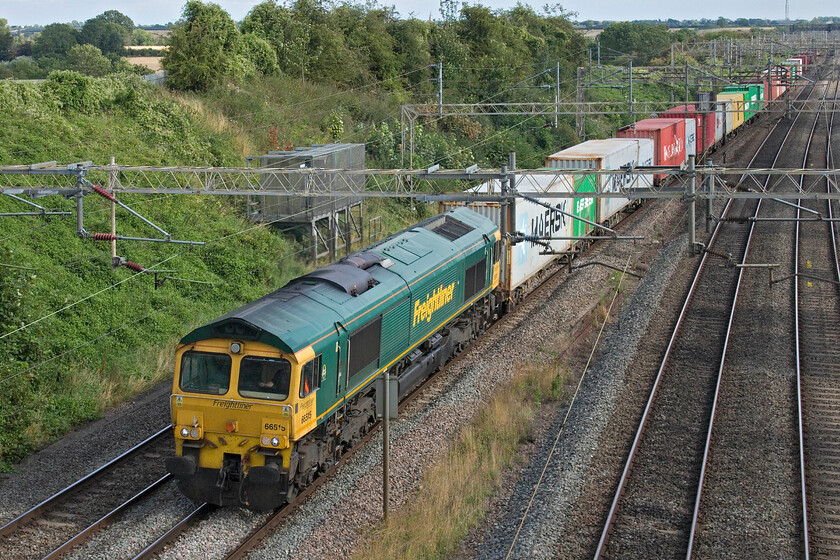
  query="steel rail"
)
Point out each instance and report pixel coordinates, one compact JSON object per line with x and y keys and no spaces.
{"x":191,"y":519}
{"x":708,"y":445}
{"x":798,"y":348}
{"x":611,"y":516}
{"x":106,"y":520}
{"x":55,"y":498}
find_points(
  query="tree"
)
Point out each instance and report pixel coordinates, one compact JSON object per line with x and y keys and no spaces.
{"x":641,"y":41}
{"x":108,"y":37}
{"x":202,"y":46}
{"x":260,"y":53}
{"x":6,"y":41}
{"x":113,"y":16}
{"x":55,"y":41}
{"x":87,"y":59}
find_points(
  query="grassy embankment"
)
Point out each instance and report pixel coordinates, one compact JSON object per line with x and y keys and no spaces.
{"x":456,"y":490}
{"x":79,"y":337}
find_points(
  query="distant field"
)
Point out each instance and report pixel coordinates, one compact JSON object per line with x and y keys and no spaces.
{"x":144,"y":47}
{"x":152,"y":62}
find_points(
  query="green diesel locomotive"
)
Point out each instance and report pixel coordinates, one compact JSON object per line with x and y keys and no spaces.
{"x":268,"y":396}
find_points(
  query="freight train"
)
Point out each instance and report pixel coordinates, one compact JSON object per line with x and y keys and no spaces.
{"x":269,"y":396}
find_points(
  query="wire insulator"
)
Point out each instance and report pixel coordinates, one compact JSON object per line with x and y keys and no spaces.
{"x":102,"y":192}
{"x":104,"y":236}
{"x":133,"y":266}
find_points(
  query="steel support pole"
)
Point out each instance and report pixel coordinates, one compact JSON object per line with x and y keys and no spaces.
{"x":710,"y":189}
{"x":386,"y":447}
{"x":112,"y":181}
{"x":440,"y":89}
{"x":557,"y":89}
{"x":630,"y":99}
{"x":691,"y":203}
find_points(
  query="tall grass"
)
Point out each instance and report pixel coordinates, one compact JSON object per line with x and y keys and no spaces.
{"x":454,"y":490}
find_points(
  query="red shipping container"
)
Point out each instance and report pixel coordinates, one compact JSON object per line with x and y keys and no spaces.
{"x":690,"y":112}
{"x":803,"y":59}
{"x":668,"y":137}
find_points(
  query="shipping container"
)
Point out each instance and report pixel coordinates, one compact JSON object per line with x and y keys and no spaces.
{"x":612,"y":153}
{"x":795,"y":69}
{"x":753,"y":95}
{"x":704,"y":124}
{"x":668,"y":137}
{"x":803,"y":61}
{"x":736,"y":109}
{"x":722,"y":117}
{"x":690,"y":138}
{"x":524,"y":260}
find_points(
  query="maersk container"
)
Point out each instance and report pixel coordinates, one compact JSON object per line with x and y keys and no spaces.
{"x":524,"y":259}
{"x":668,"y":137}
{"x":735,"y":108}
{"x":705,"y":135}
{"x":612,"y":153}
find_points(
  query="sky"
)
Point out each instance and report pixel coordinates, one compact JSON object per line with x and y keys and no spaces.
{"x":147,"y":12}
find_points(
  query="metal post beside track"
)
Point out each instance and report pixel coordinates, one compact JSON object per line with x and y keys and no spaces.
{"x":691,"y":203}
{"x":386,"y":420}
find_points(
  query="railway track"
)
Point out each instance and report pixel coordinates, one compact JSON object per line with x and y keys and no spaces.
{"x":656,"y":505}
{"x":70,"y":516}
{"x":817,"y":303}
{"x":748,"y":496}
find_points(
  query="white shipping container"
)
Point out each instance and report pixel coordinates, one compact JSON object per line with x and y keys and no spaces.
{"x":690,"y":138}
{"x":525,"y":259}
{"x":720,"y":124}
{"x":612,"y":153}
{"x":725,"y":107}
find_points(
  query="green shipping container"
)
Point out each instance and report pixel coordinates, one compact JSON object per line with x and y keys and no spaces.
{"x":753,"y":94}
{"x":584,"y":207}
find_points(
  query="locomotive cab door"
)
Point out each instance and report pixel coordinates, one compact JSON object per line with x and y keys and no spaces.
{"x":341,"y":351}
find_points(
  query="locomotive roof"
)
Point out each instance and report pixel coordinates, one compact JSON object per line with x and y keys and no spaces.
{"x":308,"y":308}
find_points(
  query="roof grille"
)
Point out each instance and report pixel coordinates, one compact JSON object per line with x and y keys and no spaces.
{"x":449,"y":227}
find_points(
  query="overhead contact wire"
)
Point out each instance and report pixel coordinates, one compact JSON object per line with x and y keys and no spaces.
{"x":569,"y":410}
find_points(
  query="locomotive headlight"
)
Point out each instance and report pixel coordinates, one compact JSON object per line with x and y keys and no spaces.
{"x":193,"y":433}
{"x":235,"y":347}
{"x":265,"y":441}
{"x":185,"y":432}
{"x":275,"y":442}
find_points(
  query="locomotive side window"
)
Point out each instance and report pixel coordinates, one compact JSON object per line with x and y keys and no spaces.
{"x":497,"y":250}
{"x":265,"y":378}
{"x":310,"y":376}
{"x":205,"y":372}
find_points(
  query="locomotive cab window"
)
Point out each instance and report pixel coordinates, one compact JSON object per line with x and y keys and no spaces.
{"x":310,"y":377}
{"x":265,"y":378}
{"x":205,"y":372}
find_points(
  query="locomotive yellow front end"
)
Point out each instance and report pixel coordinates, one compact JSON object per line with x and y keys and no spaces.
{"x":235,"y":408}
